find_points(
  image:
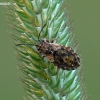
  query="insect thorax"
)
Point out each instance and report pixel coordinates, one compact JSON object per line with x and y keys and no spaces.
{"x":47,"y":48}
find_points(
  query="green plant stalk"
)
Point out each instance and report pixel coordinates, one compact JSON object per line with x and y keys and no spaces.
{"x":41,"y":79}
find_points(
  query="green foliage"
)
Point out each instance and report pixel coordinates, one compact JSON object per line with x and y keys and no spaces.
{"x":42,"y":80}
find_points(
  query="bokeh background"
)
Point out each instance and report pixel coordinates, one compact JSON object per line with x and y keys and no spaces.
{"x":86,"y":16}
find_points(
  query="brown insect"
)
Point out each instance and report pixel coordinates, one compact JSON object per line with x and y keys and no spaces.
{"x":61,"y":56}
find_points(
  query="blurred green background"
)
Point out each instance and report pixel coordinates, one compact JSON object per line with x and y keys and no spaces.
{"x":86,"y":16}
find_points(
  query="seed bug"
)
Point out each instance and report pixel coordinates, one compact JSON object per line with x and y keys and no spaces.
{"x":61,"y":56}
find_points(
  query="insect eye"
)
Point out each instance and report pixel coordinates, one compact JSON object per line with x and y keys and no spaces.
{"x":43,"y":41}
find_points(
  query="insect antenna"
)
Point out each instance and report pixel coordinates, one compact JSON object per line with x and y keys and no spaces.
{"x":41,"y":31}
{"x":26,"y":44}
{"x":38,"y":38}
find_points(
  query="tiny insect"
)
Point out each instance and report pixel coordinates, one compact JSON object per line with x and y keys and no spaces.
{"x":61,"y":56}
